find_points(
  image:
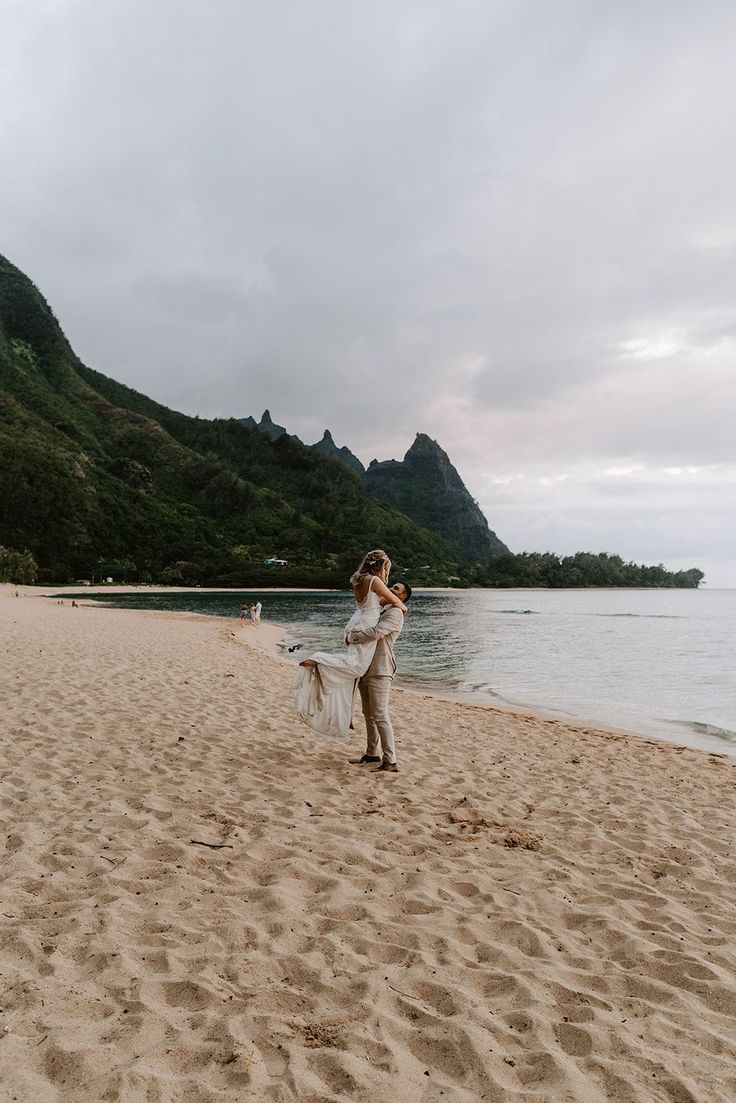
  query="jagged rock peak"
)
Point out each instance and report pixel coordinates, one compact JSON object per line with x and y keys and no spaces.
{"x":265,"y":425}
{"x":422,"y":441}
{"x":426,"y":487}
{"x":329,"y":448}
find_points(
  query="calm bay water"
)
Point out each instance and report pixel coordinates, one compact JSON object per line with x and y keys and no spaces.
{"x":656,"y":662}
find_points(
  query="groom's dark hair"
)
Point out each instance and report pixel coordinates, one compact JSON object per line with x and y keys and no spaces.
{"x":407,"y":588}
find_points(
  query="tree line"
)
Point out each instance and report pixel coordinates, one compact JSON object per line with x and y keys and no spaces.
{"x":584,"y":569}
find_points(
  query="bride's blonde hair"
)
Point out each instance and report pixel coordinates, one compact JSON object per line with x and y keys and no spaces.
{"x":374,"y":563}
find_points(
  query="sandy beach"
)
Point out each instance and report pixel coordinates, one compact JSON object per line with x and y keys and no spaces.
{"x":202,"y":902}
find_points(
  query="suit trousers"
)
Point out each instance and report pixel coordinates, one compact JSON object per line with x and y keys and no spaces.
{"x":375,"y":690}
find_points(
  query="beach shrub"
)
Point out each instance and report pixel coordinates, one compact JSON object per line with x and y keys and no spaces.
{"x":17,"y":567}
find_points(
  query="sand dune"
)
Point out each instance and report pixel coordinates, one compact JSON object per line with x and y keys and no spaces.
{"x":202,"y":902}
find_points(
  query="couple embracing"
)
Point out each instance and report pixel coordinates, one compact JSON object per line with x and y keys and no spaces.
{"x":324,"y":684}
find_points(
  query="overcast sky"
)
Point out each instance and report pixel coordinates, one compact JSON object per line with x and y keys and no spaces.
{"x":510,"y":225}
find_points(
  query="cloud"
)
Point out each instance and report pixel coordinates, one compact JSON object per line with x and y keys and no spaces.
{"x":510,"y":225}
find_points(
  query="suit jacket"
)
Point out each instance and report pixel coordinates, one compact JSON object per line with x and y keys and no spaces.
{"x":386,"y":632}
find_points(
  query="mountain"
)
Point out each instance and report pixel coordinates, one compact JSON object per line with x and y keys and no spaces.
{"x":327,"y":445}
{"x":426,"y":487}
{"x":265,"y":425}
{"x":96,"y":477}
{"x":329,"y":448}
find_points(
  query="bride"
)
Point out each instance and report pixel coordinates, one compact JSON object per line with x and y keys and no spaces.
{"x":325,"y":683}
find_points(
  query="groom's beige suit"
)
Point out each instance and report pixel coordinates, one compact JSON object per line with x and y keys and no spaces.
{"x":375,"y":685}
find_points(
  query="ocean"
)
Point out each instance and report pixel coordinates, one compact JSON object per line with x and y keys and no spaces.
{"x":659,"y":663}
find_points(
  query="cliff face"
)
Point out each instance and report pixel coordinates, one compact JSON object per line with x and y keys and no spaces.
{"x":328,"y":447}
{"x":426,"y":487}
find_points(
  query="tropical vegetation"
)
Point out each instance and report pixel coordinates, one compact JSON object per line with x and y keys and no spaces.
{"x":97,"y":480}
{"x":18,"y":567}
{"x":582,"y":569}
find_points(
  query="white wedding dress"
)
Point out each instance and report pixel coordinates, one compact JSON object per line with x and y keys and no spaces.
{"x":324,"y":693}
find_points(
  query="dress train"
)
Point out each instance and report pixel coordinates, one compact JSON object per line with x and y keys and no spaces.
{"x":324,"y":693}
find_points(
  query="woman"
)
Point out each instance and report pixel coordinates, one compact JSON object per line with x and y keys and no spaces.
{"x":324,"y":684}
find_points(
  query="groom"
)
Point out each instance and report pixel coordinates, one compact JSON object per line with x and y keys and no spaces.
{"x":375,"y":685}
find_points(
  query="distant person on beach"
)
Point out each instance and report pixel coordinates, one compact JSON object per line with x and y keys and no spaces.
{"x":375,"y":685}
{"x":257,"y":609}
{"x":324,"y":684}
{"x":244,"y":612}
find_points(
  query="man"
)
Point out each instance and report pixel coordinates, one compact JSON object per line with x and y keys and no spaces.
{"x":375,"y":685}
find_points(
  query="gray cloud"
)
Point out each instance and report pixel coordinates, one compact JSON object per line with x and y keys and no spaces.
{"x":508,"y":224}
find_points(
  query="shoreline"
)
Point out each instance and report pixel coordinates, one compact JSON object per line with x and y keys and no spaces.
{"x":269,"y":633}
{"x":202,"y":899}
{"x":135,"y":587}
{"x":707,"y":744}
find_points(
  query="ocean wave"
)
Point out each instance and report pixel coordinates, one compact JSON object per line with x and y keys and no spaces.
{"x":644,"y":616}
{"x":518,"y":612}
{"x":481,"y":687}
{"x":712,"y":729}
{"x":486,"y":690}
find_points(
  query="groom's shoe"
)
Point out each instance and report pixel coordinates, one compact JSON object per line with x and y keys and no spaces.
{"x":364,"y":758}
{"x":391,"y":767}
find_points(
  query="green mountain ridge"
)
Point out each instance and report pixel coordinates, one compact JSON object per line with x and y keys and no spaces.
{"x":424,"y":486}
{"x":96,"y":476}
